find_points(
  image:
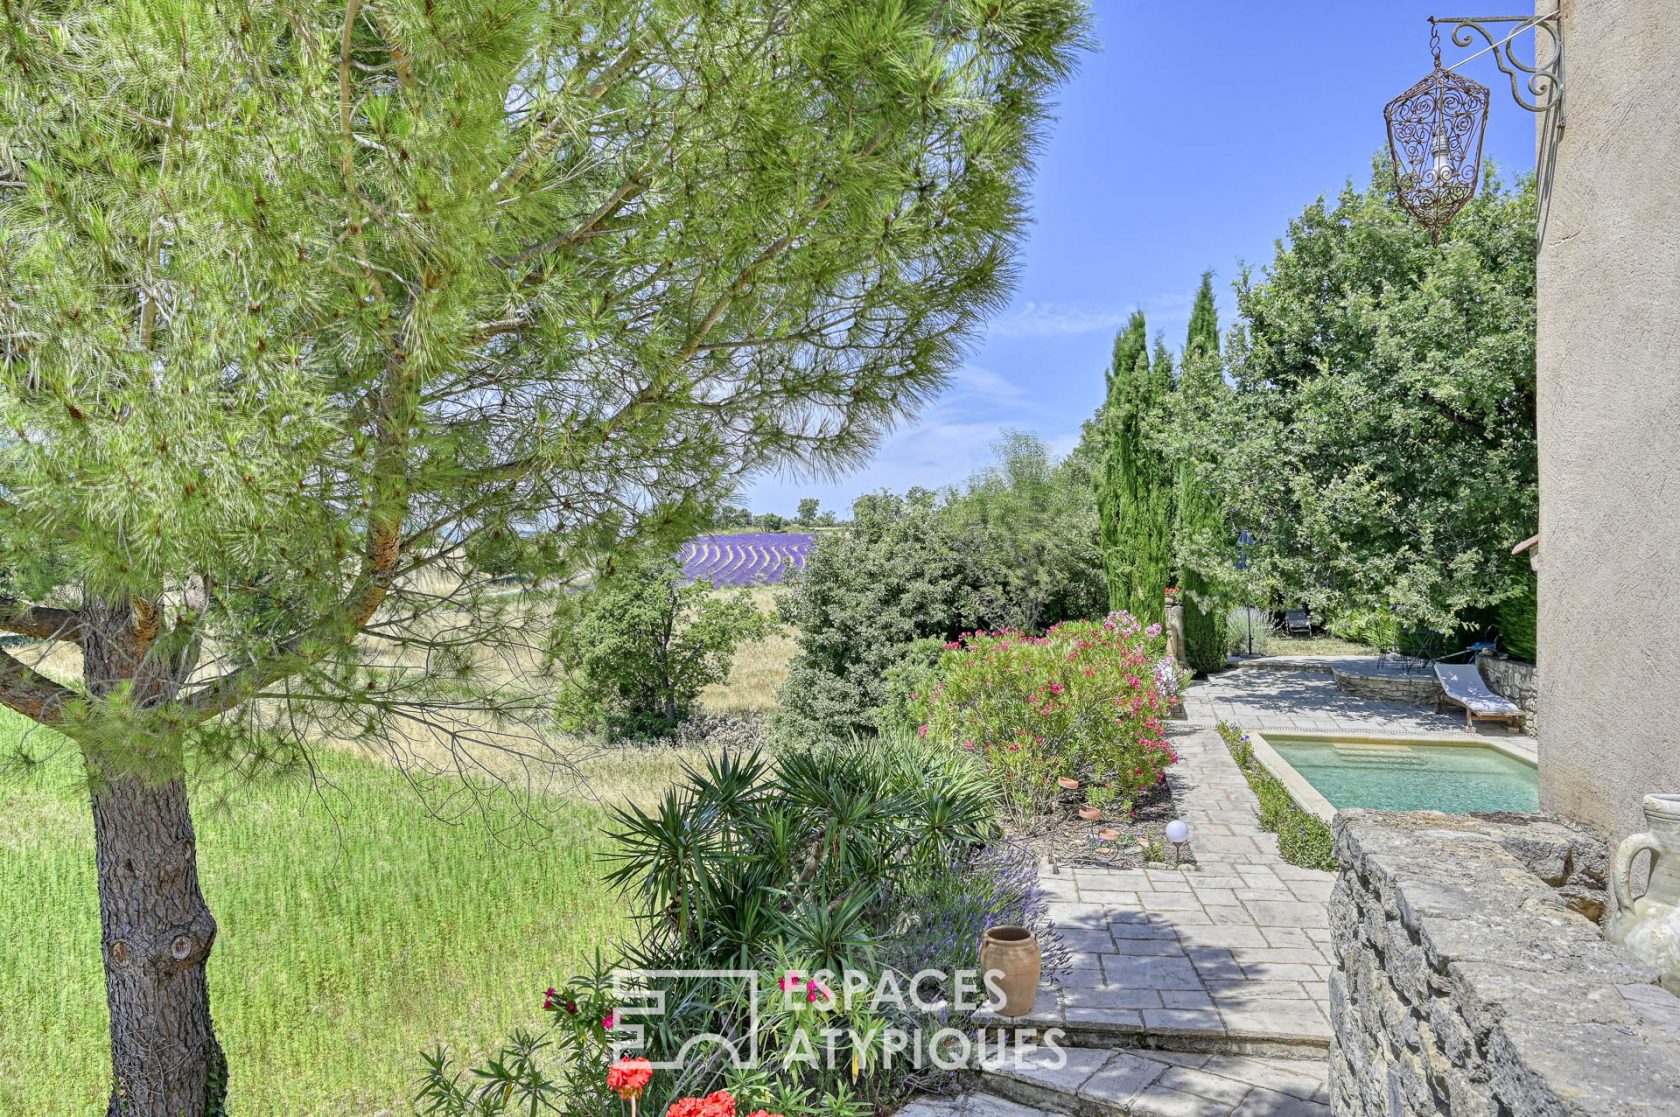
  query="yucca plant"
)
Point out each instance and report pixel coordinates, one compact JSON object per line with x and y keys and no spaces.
{"x":667,"y":858}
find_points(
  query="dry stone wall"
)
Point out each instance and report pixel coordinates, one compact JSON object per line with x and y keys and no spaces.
{"x":1517,"y":681}
{"x":1471,"y":982}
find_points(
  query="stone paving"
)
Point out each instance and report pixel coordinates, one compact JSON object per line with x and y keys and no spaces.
{"x":1267,"y":698}
{"x":1230,"y":955}
{"x":1200,"y":990}
{"x":1167,"y":1083}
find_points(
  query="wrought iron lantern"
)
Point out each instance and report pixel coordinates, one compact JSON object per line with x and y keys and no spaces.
{"x":1435,"y":137}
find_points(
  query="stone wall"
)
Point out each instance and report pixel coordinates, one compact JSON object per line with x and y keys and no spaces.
{"x":1468,"y":981}
{"x":1517,"y":681}
{"x":1607,"y":347}
{"x":1370,"y":680}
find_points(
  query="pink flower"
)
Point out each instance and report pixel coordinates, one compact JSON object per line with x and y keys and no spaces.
{"x":922,"y":732}
{"x":609,"y":1021}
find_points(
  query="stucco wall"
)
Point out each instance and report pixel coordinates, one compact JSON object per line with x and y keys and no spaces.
{"x":1609,"y":418}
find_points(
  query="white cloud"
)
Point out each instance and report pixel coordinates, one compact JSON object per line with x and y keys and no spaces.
{"x":1047,"y":319}
{"x":983,"y":382}
{"x":1036,"y":319}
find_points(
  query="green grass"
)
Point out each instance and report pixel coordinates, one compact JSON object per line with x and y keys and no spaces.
{"x":355,"y":930}
{"x":1322,"y":644}
{"x":1304,"y":839}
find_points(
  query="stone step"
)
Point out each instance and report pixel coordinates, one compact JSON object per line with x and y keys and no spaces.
{"x":970,"y":1105}
{"x":1243,"y":1021}
{"x":1097,"y":1082}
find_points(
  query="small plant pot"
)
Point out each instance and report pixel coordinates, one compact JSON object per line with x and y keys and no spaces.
{"x":1091,"y":814}
{"x":1012,"y":954}
{"x":1068,"y":783}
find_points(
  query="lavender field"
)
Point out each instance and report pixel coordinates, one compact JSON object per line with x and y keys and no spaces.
{"x":744,"y":560}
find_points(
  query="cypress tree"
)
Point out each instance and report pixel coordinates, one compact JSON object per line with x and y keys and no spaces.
{"x":1116,"y":470}
{"x":1199,"y":518}
{"x":1134,"y":489}
{"x":1151,"y":542}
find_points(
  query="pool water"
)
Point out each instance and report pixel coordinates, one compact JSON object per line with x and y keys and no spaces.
{"x":1407,"y":776}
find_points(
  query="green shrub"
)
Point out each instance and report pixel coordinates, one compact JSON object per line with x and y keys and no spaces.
{"x":1372,"y":629}
{"x":863,"y":856}
{"x":1303,"y":838}
{"x":916,"y":673}
{"x":643,"y":644}
{"x":1085,"y":700}
{"x":1519,"y":623}
{"x":896,"y":574}
{"x":1245,"y":625}
{"x":1031,"y":524}
{"x":1016,"y":548}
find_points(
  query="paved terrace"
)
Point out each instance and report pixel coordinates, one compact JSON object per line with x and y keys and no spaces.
{"x":1302,"y":696}
{"x":1200,"y":991}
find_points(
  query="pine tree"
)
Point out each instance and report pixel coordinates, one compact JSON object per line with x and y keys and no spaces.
{"x":1199,"y":518}
{"x":312,"y":315}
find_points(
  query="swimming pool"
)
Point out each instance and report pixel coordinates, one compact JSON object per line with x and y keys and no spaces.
{"x":1457,"y":776}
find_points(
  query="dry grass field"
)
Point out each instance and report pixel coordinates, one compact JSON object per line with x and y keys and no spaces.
{"x":760,"y":668}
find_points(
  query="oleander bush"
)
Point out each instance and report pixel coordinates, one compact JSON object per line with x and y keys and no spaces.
{"x":1086,"y":700}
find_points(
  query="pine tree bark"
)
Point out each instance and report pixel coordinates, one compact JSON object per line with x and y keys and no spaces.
{"x":156,"y":929}
{"x":156,"y":932}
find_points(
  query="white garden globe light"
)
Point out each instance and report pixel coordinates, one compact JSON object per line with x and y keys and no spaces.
{"x":1178,"y":831}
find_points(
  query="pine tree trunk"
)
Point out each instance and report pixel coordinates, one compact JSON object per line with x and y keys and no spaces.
{"x":156,"y":932}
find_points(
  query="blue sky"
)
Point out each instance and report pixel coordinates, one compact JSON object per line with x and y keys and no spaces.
{"x":1187,"y":141}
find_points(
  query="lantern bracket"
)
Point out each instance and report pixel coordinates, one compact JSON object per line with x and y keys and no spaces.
{"x":1543,"y":81}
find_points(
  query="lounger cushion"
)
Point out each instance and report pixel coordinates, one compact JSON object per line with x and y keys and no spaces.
{"x":1463,"y":684}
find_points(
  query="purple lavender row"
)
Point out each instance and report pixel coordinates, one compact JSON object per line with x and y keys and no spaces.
{"x":743,"y":560}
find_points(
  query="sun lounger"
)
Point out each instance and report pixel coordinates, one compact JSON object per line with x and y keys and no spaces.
{"x":1462,"y":685}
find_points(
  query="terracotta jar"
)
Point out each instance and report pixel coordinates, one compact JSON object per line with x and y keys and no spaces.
{"x":1650,"y":926}
{"x":1013,"y":953}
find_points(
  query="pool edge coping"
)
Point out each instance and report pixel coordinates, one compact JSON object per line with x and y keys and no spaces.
{"x":1312,"y":800}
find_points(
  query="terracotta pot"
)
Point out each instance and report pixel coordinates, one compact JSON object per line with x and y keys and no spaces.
{"x":1090,"y":814}
{"x":1013,"y":953}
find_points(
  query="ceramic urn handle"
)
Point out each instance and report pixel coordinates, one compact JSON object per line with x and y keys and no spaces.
{"x":1622,"y":882}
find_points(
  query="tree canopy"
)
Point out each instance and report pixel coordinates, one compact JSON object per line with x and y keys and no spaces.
{"x":1380,"y":437}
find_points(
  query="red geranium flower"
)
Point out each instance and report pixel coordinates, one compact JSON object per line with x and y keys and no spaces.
{"x":720,"y":1104}
{"x":629,"y":1077}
